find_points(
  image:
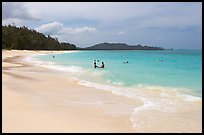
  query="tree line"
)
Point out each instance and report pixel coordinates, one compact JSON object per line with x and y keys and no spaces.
{"x":22,"y":38}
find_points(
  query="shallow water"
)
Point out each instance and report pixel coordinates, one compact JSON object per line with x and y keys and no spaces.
{"x":167,"y":68}
{"x":168,"y":82}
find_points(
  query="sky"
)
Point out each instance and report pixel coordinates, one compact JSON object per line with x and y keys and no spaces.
{"x":176,"y":25}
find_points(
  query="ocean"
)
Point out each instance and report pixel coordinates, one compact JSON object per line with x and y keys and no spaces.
{"x":165,"y":80}
{"x":179,"y":69}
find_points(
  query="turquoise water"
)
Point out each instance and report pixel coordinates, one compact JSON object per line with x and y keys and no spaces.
{"x":168,"y":83}
{"x":165,"y":68}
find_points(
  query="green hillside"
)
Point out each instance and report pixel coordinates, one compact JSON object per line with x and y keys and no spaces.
{"x":22,"y":38}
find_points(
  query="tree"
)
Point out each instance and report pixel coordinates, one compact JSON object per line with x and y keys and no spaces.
{"x":23,"y":38}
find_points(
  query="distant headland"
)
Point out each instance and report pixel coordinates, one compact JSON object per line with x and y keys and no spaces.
{"x":120,"y":46}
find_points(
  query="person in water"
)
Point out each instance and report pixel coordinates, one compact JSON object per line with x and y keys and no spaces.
{"x":125,"y":62}
{"x":95,"y":66}
{"x":102,"y":66}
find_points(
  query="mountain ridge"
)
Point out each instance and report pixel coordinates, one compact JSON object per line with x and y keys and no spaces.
{"x":120,"y":46}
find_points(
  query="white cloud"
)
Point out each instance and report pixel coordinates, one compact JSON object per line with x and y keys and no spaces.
{"x":84,"y":30}
{"x":106,"y":12}
{"x":57,"y":28}
{"x":50,"y":28}
{"x":15,"y":12}
{"x":139,"y":14}
{"x":18,"y":10}
{"x":75,"y":35}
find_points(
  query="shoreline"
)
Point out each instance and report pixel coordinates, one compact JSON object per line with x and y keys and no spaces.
{"x":30,"y":103}
{"x":39,"y":99}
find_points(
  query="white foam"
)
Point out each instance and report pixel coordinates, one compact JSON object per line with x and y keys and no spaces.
{"x":114,"y":89}
{"x":71,"y":69}
{"x":162,"y":105}
{"x":56,"y":52}
{"x":141,"y":91}
{"x":166,"y":102}
{"x":52,"y":65}
{"x":33,"y":59}
{"x":117,"y":83}
{"x":97,"y":73}
{"x":188,"y":98}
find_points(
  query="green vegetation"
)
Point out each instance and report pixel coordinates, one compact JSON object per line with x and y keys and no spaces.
{"x":21,"y":38}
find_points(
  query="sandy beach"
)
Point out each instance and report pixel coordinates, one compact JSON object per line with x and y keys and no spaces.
{"x":37,"y":99}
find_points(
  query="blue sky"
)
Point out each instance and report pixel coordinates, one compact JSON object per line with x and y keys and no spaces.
{"x":176,"y":25}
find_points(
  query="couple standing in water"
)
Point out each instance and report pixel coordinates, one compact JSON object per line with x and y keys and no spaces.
{"x":95,"y":66}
